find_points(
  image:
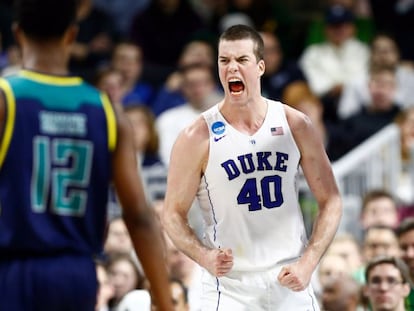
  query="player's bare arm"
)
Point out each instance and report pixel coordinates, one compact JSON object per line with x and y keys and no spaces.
{"x":318,"y":173}
{"x":188,"y":159}
{"x":140,"y":219}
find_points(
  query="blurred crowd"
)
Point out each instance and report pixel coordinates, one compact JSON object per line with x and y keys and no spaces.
{"x":347,"y":64}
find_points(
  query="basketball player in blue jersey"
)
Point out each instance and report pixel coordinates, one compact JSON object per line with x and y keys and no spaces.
{"x":241,"y":159}
{"x":61,"y":146}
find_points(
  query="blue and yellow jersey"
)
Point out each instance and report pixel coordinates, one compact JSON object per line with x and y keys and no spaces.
{"x":55,"y":165}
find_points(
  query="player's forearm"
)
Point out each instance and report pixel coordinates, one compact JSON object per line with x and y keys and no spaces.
{"x":184,"y":237}
{"x":146,"y":235}
{"x":324,"y":230}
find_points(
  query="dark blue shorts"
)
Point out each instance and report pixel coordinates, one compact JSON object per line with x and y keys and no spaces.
{"x":61,"y":283}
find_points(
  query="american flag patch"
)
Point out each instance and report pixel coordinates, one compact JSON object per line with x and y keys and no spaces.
{"x":278,"y":130}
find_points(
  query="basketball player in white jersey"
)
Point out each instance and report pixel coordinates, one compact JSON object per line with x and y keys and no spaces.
{"x":241,"y":160}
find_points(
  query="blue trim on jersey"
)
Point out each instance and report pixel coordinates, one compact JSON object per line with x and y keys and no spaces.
{"x":313,"y":301}
{"x":219,"y":293}
{"x":212,"y":209}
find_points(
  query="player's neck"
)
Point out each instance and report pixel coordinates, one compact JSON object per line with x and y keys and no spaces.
{"x":247,"y":118}
{"x":50,"y":61}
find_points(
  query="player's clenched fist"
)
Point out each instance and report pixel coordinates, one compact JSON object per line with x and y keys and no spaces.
{"x":218,"y":261}
{"x":294,"y":278}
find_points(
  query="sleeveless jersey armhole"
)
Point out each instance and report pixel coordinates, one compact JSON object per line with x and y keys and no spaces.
{"x":9,"y":118}
{"x":111,"y":122}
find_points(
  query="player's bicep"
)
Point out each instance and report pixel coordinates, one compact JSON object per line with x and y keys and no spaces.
{"x":185,"y":170}
{"x":314,"y":161}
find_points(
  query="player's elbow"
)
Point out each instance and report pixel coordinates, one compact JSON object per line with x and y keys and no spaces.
{"x":170,"y":219}
{"x":335,"y":206}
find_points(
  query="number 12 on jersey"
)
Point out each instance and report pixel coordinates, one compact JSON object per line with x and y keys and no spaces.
{"x":61,"y":170}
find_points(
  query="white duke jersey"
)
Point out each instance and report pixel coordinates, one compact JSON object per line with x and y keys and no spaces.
{"x":248,"y":194}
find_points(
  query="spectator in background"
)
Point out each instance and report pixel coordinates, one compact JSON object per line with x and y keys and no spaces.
{"x":6,"y":35}
{"x":10,"y":52}
{"x":109,"y":81}
{"x":397,"y":18}
{"x":259,"y":12}
{"x":279,"y":72}
{"x":187,"y":271}
{"x":13,"y":60}
{"x":378,"y":240}
{"x":117,"y":240}
{"x":170,"y":94}
{"x":174,"y":22}
{"x":379,"y":208}
{"x":364,"y":23}
{"x":299,"y":96}
{"x":127,"y":58}
{"x":200,"y":91}
{"x":146,"y":142}
{"x":179,"y":295}
{"x":94,"y":41}
{"x":405,"y":122}
{"x":334,"y":62}
{"x":129,"y":285}
{"x":371,"y":118}
{"x":405,"y":234}
{"x":346,"y":246}
{"x":388,"y":284}
{"x":384,"y":51}
{"x":341,"y":293}
{"x":121,"y":12}
{"x":6,"y":21}
{"x":331,"y":266}
{"x":105,"y":288}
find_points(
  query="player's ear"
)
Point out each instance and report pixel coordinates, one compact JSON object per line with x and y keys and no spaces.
{"x":17,"y":32}
{"x":71,"y":34}
{"x":262,"y":67}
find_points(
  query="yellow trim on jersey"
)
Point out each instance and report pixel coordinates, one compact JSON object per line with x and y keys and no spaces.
{"x":9,"y":119}
{"x":110,"y":120}
{"x":49,"y":79}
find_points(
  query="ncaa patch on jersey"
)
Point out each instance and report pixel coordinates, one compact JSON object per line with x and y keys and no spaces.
{"x":218,"y":128}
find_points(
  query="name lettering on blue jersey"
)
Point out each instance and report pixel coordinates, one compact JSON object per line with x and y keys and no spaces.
{"x":265,"y":161}
{"x":62,"y":123}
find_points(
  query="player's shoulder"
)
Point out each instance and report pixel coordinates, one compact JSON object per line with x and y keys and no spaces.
{"x":296,"y":119}
{"x":197,"y":131}
{"x":192,"y":143}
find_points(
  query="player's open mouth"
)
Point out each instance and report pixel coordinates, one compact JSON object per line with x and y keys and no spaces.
{"x":236,"y":86}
